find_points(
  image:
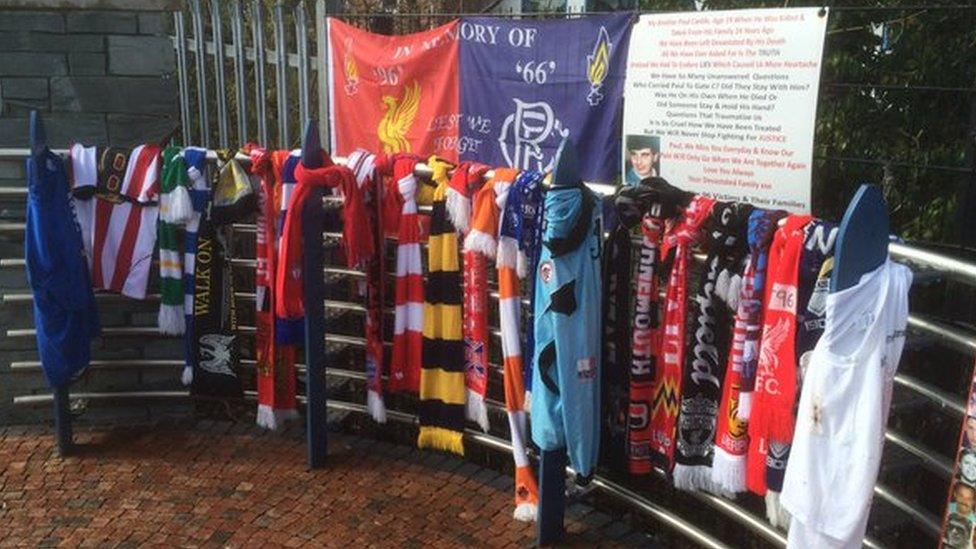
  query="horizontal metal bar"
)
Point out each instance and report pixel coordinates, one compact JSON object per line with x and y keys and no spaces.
{"x":955,"y":337}
{"x":128,"y":331}
{"x":932,"y":459}
{"x":926,"y":520}
{"x":943,"y":398}
{"x":17,"y":228}
{"x":956,"y":268}
{"x":99,"y":296}
{"x":114,"y":364}
{"x":270,"y":54}
{"x":47,"y":398}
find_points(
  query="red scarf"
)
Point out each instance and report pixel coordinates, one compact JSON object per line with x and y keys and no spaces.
{"x":401,"y":218}
{"x":667,"y":379}
{"x":363,"y":164}
{"x":771,"y":416}
{"x":645,"y":346}
{"x":466,"y":179}
{"x":357,"y":234}
{"x":275,"y":363}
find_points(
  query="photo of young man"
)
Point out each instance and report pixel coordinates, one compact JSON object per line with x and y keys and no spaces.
{"x":963,"y":501}
{"x":643,"y":158}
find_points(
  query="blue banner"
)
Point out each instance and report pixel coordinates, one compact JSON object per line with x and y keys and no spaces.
{"x":525,"y":85}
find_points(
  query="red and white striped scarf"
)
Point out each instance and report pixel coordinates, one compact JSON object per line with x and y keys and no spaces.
{"x":682,"y":237}
{"x":774,"y":396}
{"x":124,"y":232}
{"x":276,"y":394}
{"x":363,"y":164}
{"x":401,"y":193}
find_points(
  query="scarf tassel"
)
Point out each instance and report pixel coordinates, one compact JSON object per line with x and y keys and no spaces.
{"x":438,"y":438}
{"x":376,"y":406}
{"x":171,"y":319}
{"x":458,"y":210}
{"x":476,"y":411}
{"x":479,"y":241}
{"x":696,"y":477}
{"x":187,"y":376}
{"x":777,"y":515}
{"x":180,"y":206}
{"x":728,"y":471}
{"x":272,"y":419}
{"x":526,"y":495}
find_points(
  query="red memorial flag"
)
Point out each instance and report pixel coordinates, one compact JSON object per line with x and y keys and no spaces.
{"x":394,"y":94}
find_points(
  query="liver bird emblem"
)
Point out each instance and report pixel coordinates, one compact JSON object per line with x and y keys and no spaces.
{"x":397,"y":119}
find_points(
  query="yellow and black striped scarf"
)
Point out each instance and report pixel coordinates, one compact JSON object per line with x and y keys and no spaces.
{"x":442,"y":388}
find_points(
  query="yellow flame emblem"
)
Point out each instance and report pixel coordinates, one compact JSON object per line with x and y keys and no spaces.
{"x":665,"y":398}
{"x":350,"y":68}
{"x":598,"y":66}
{"x":398,"y":117}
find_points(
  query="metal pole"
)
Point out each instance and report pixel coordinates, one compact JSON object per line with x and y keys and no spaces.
{"x":182,"y":67}
{"x":301,"y":49}
{"x":218,"y":39}
{"x":322,"y":74}
{"x":198,"y":39}
{"x":281,"y":76}
{"x":62,"y":420}
{"x":260,"y":98}
{"x":237,"y":29}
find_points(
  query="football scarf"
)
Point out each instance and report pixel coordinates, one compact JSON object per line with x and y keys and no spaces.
{"x":813,"y":283}
{"x":522,"y":221}
{"x":196,"y":168}
{"x":958,"y":523}
{"x":762,"y":227}
{"x":442,"y":383}
{"x":491,"y":205}
{"x":275,"y":363}
{"x":466,"y":179}
{"x":169,"y":232}
{"x":363,"y":165}
{"x":616,"y":346}
{"x":681,"y":238}
{"x":123,"y":232}
{"x":704,"y":370}
{"x":357,"y":233}
{"x":776,"y":371}
{"x":403,"y":220}
{"x":214,"y":313}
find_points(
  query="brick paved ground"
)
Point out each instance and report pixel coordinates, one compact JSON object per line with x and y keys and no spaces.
{"x":212,"y":484}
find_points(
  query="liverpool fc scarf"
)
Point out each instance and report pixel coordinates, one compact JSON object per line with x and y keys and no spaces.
{"x":400,"y":209}
{"x":175,"y":210}
{"x":466,"y":180}
{"x":701,"y":384}
{"x":813,"y":283}
{"x":275,"y":363}
{"x":363,"y":165}
{"x":522,"y":221}
{"x":681,"y":238}
{"x":442,"y":386}
{"x":776,"y":372}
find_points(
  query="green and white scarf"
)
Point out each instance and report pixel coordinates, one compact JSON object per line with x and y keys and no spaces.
{"x":174,"y":208}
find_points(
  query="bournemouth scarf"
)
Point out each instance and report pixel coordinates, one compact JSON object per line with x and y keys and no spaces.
{"x":522,"y":221}
{"x":442,"y":385}
{"x":466,"y":180}
{"x":175,"y":210}
{"x":275,"y":363}
{"x":363,"y":165}
{"x":681,"y":238}
{"x":813,"y":283}
{"x":704,"y":370}
{"x":775,"y":390}
{"x":214,"y":314}
{"x":400,"y":209}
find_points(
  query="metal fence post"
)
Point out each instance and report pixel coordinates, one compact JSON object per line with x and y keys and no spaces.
{"x":281,"y":75}
{"x":180,"y":26}
{"x":257,"y":21}
{"x":237,"y":31}
{"x":223,"y":135}
{"x":201,"y":47}
{"x":301,"y":49}
{"x":322,"y":75}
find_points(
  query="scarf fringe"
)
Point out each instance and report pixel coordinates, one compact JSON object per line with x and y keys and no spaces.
{"x":728,"y":471}
{"x":180,"y":208}
{"x":438,"y":438}
{"x":476,"y":411}
{"x":527,"y":402}
{"x":187,"y":376}
{"x":526,"y":512}
{"x":376,"y":406}
{"x":171,"y":319}
{"x":522,"y":265}
{"x":696,"y":477}
{"x":745,"y":405}
{"x":776,"y":514}
{"x":272,"y":419}
{"x":478,"y":241}
{"x":507,"y":253}
{"x":458,"y":210}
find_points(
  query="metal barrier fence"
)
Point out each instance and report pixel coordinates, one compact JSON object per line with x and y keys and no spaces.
{"x":904,"y":512}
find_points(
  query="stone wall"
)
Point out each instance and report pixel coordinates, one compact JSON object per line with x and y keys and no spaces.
{"x":102,"y":78}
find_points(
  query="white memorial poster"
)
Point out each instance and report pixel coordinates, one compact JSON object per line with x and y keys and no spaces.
{"x":724,"y":103}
